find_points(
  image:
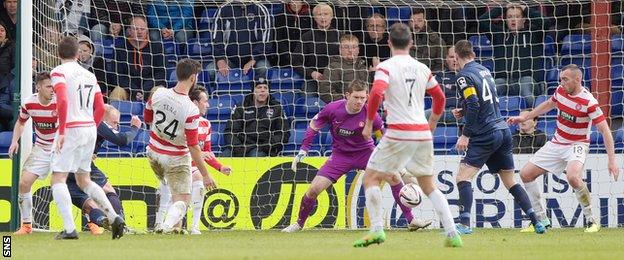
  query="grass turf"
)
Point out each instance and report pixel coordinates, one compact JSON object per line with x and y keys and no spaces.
{"x":327,"y":244}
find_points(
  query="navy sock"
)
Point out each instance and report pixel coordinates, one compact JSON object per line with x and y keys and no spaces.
{"x":465,"y":201}
{"x":521,"y":197}
{"x":114,"y":200}
{"x":97,"y":216}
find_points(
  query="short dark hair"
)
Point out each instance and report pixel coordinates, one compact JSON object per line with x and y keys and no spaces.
{"x":574,"y":68}
{"x":357,"y":85}
{"x":41,"y":76}
{"x":195,"y":93}
{"x":418,"y":10}
{"x":68,"y":47}
{"x":463,"y":49}
{"x":400,"y":35}
{"x":186,"y":68}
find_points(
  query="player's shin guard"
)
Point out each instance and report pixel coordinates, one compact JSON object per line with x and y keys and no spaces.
{"x":96,"y":193}
{"x":116,"y":203}
{"x":521,"y":197}
{"x":444,"y":211}
{"x":465,"y":202}
{"x":25,"y":206}
{"x":61,"y":196}
{"x":197,"y":201}
{"x":174,"y":215}
{"x":407,"y":212}
{"x":163,"y":205}
{"x":307,"y":205}
{"x":535,"y":195}
{"x":373,"y":205}
{"x":583,"y":196}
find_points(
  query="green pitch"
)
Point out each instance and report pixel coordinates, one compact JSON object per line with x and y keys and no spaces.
{"x":326,"y":244}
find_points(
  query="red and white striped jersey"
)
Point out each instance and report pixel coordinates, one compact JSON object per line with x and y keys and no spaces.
{"x":81,"y":86}
{"x":174,"y":120}
{"x":44,"y":118}
{"x":576,"y":115}
{"x":204,"y":131}
{"x":404,"y":99}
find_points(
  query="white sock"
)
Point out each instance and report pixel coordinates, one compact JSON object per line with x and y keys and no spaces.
{"x":373,"y":205}
{"x":163,"y":205}
{"x":583,"y":196}
{"x":175,"y":213}
{"x":61,"y":196}
{"x":197,"y":202}
{"x":25,"y":206}
{"x":96,"y":193}
{"x":535,"y":195}
{"x":444,"y":211}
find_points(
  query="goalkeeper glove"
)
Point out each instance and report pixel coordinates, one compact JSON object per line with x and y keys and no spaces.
{"x":298,"y":158}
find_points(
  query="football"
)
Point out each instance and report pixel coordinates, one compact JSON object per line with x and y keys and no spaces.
{"x":411,"y":195}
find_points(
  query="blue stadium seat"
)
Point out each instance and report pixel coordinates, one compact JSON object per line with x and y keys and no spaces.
{"x":206,"y":20}
{"x":169,"y":46}
{"x":217,"y":138}
{"x":398,"y":14}
{"x":284,"y":79}
{"x":482,"y":45}
{"x":617,"y":75}
{"x":307,"y":107}
{"x":99,"y":46}
{"x":127,"y":109}
{"x":295,"y":140}
{"x":617,"y":104}
{"x":576,"y":44}
{"x":541,"y":99}
{"x":548,"y":125}
{"x":235,"y":81}
{"x":5,"y":143}
{"x":287,"y":99}
{"x":428,"y":102}
{"x":220,"y":108}
{"x":617,"y":44}
{"x":550,"y":47}
{"x":445,"y":137}
{"x":488,"y":63}
{"x":275,"y":8}
{"x":200,"y":47}
{"x":511,"y":103}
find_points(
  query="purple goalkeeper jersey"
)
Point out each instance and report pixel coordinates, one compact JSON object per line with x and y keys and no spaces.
{"x":346,"y":129}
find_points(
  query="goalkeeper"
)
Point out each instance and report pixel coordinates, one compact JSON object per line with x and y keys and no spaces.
{"x":106,"y":131}
{"x":350,"y":150}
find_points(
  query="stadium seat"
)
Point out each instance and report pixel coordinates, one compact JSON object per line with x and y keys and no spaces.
{"x":307,"y":107}
{"x":5,"y":143}
{"x":398,"y":14}
{"x":576,"y":44}
{"x":99,"y":47}
{"x":482,"y":45}
{"x":206,"y":20}
{"x":550,"y":47}
{"x":445,"y":137}
{"x":220,"y":108}
{"x":235,"y":81}
{"x":284,"y":79}
{"x":296,"y":139}
{"x":217,"y":138}
{"x":617,"y":103}
{"x":140,"y":142}
{"x":169,"y":46}
{"x":617,"y":75}
{"x":287,"y":99}
{"x":127,"y":109}
{"x":488,"y":63}
{"x":200,"y":47}
{"x":541,"y":99}
{"x":428,"y":102}
{"x":548,"y":125}
{"x":510,"y":103}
